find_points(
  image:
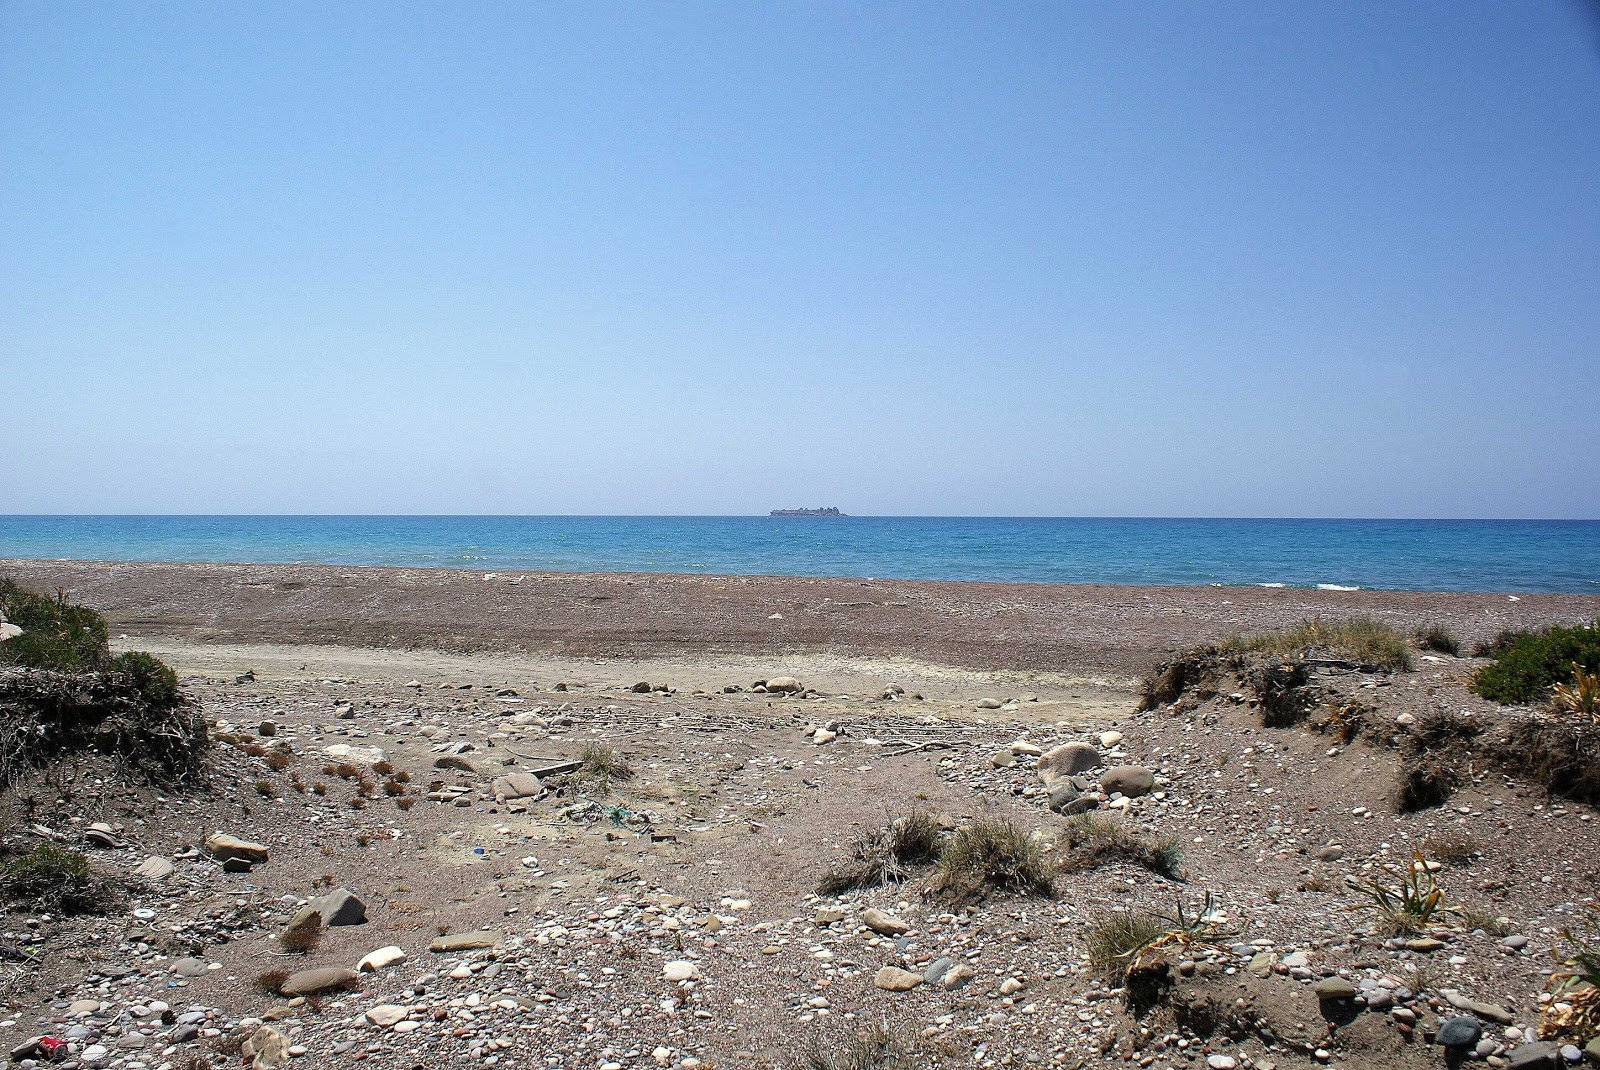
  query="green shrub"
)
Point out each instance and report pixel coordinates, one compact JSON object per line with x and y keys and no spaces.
{"x":992,"y":855}
{"x":153,"y":677}
{"x":1437,"y":638}
{"x":55,"y":634}
{"x":1534,"y":663}
{"x":56,"y":879}
{"x":1094,"y":841}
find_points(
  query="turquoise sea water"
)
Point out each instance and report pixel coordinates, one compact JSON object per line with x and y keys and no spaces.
{"x":1425,"y":555}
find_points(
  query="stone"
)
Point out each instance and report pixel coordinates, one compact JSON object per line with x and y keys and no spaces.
{"x":470,"y":941}
{"x":380,"y":959}
{"x":187,"y":967}
{"x":1460,"y":1031}
{"x":784,"y":685}
{"x":1424,"y":944}
{"x":1485,"y":1011}
{"x":387,"y":1014}
{"x":1331,"y":853}
{"x":823,"y":735}
{"x":226,"y":848}
{"x":1081,"y":805}
{"x":1001,"y":759}
{"x":321,"y":979}
{"x":9,"y":632}
{"x":267,"y":729}
{"x":989,"y":704}
{"x":1536,"y":1056}
{"x":957,"y":976}
{"x":517,"y":786}
{"x":932,"y":975}
{"x":1110,"y":739}
{"x":1011,"y":986}
{"x":894,"y":979}
{"x":1221,"y":1062}
{"x":1591,"y":1051}
{"x":101,"y":834}
{"x":828,"y":915}
{"x":154,"y":868}
{"x":883,"y":923}
{"x":681,"y":970}
{"x":355,"y":752}
{"x":1059,"y":763}
{"x":1130,"y":781}
{"x":1062,"y":796}
{"x":340,"y":907}
{"x":1023,"y":749}
{"x":265,"y":1049}
{"x":1331,"y":989}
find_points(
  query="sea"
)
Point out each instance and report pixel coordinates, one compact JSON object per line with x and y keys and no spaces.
{"x":1417,"y":555}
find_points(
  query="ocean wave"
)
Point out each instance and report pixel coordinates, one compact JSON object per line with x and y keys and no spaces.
{"x":1272,"y":585}
{"x":1335,"y":587}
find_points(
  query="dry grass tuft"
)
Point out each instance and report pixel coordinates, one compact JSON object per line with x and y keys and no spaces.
{"x":888,"y":855}
{"x":602,"y":765}
{"x":303,"y":937}
{"x":1095,"y":841}
{"x":270,"y":982}
{"x":1362,"y":641}
{"x":992,"y":856}
{"x":1114,"y":939}
{"x":879,"y":1048}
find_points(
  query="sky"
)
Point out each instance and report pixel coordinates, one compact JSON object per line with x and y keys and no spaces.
{"x":1126,"y":259}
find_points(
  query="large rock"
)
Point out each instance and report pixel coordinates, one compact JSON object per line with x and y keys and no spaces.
{"x":1130,"y":781}
{"x":1460,"y":1031}
{"x":478,"y":938}
{"x":1333,"y":989}
{"x":517,"y":786}
{"x":1059,"y":763}
{"x":321,"y":979}
{"x":883,"y":923}
{"x":355,"y":752}
{"x":894,"y":979}
{"x":225,"y":848}
{"x":340,"y":907}
{"x":784,"y":684}
{"x":381,"y":959}
{"x":265,"y":1049}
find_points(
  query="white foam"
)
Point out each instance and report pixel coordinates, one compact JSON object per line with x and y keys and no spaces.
{"x":1335,"y":587}
{"x":1272,"y":585}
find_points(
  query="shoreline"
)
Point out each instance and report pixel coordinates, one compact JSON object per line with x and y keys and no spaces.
{"x":1098,"y":630}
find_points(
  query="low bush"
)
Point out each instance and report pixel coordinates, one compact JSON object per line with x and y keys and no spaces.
{"x":887,"y":855}
{"x":1367,"y":643}
{"x":1437,"y":638}
{"x":1094,"y":841}
{"x":1562,"y":756}
{"x":56,"y":635}
{"x":992,"y":855}
{"x":304,"y":936}
{"x":58,"y":880}
{"x":152,"y":677}
{"x":1534,"y":663}
{"x":1114,"y":939}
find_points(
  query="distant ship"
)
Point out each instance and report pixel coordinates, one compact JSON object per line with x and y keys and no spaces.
{"x":829,"y":511}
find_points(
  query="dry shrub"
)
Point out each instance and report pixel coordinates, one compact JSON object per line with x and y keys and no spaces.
{"x":406,"y":802}
{"x":1361,"y":641}
{"x":57,"y":880}
{"x":1095,"y":841}
{"x":1437,"y":638}
{"x":1114,"y":939}
{"x":1426,"y":780}
{"x":1561,"y":756}
{"x":887,"y":855}
{"x":270,"y":982}
{"x":603,"y":765}
{"x":992,"y":856}
{"x":1457,"y":847}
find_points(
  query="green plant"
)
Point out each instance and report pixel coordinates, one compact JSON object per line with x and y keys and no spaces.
{"x":1581,"y":696}
{"x":1114,"y":939}
{"x":152,"y":677}
{"x":1409,"y":903}
{"x":886,"y":855}
{"x":1094,"y":841}
{"x":56,"y":879}
{"x":56,"y":635}
{"x":992,"y":855}
{"x":1501,"y":642}
{"x":1536,"y":662}
{"x":1437,"y":638}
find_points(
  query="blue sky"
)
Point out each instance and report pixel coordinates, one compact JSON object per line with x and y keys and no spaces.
{"x":1059,"y":258}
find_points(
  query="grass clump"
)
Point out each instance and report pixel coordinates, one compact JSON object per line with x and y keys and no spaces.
{"x":992,"y":855}
{"x":1409,"y":900}
{"x":887,"y":855}
{"x":1437,"y":638}
{"x":1456,"y":847}
{"x":1533,"y":664}
{"x":879,"y":1048}
{"x":56,"y":635}
{"x":1369,"y":644}
{"x":1095,"y":841}
{"x":602,"y":765}
{"x":270,"y":982}
{"x":56,"y":879}
{"x":1560,"y":755}
{"x":1114,"y":939}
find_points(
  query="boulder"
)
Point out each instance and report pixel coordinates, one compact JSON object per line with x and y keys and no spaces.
{"x":265,"y":1049}
{"x":517,"y":786}
{"x":355,"y":752}
{"x":340,"y":907}
{"x":1460,"y":1031}
{"x":883,"y":923}
{"x":380,"y":959}
{"x":1130,"y":781}
{"x":894,"y":979}
{"x":472,"y":941}
{"x":1061,"y":762}
{"x":321,"y":979}
{"x":225,"y":848}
